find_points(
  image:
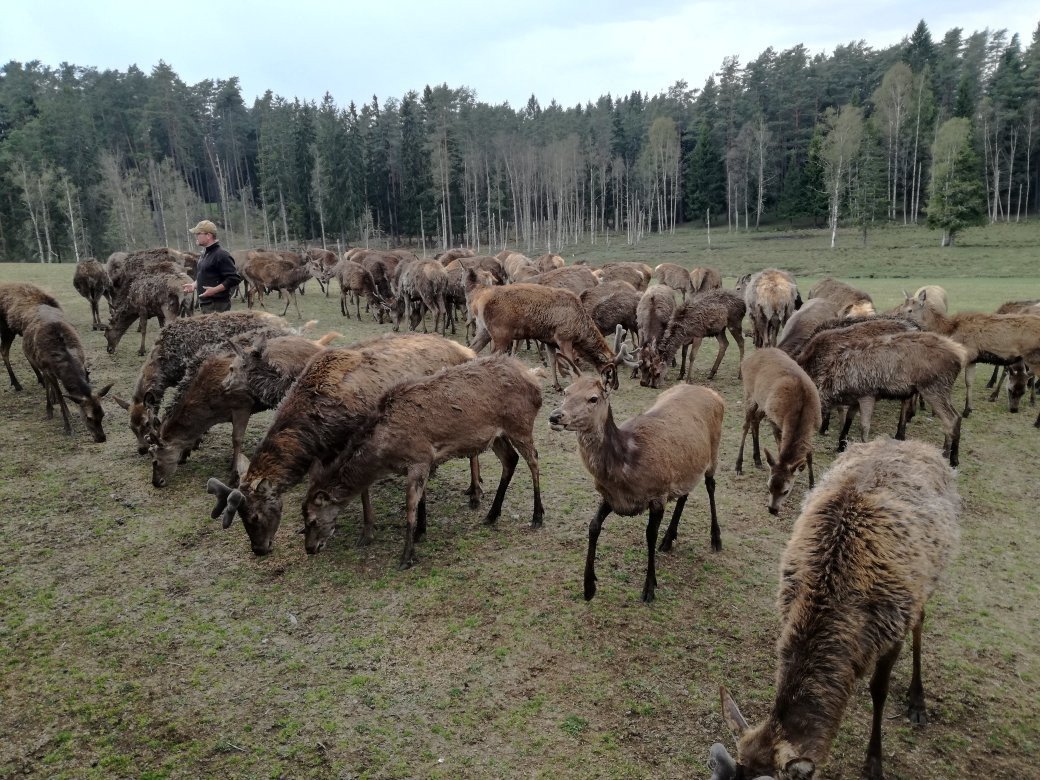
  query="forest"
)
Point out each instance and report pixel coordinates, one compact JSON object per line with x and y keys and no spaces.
{"x":927,"y":131}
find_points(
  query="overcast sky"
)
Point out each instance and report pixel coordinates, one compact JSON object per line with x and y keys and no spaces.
{"x":571,"y":51}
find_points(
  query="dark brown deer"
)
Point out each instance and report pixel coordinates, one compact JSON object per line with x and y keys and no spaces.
{"x":181,"y":345}
{"x":55,"y":353}
{"x":91,"y":281}
{"x":457,"y":413}
{"x":708,"y":314}
{"x":776,"y":388}
{"x":318,"y":419}
{"x":650,"y":459}
{"x":865,"y":554}
{"x":653,"y":313}
{"x":18,"y":304}
{"x":158,"y":295}
{"x":860,"y":369}
{"x":611,"y":304}
{"x":253,"y":375}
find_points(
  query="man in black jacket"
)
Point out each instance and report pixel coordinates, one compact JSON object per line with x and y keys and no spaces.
{"x":216,"y":275}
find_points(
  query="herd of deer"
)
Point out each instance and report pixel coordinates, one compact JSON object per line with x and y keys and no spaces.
{"x":865,"y":553}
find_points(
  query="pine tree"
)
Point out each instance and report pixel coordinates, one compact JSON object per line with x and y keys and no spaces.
{"x":704,"y":182}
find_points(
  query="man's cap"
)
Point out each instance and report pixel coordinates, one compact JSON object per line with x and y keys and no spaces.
{"x":205,"y":227}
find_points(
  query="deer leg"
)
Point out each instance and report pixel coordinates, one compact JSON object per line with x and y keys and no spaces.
{"x":595,"y":526}
{"x":682,"y":366}
{"x":739,"y":468}
{"x":239,"y":421}
{"x":916,"y":711}
{"x":653,"y":523}
{"x":812,"y":478}
{"x":368,"y":522}
{"x":1000,"y":382}
{"x":951,"y":423}
{"x":673,"y":526}
{"x":969,"y":380}
{"x":843,"y":436}
{"x":878,"y":694}
{"x":343,"y":304}
{"x":287,"y":302}
{"x":993,"y":380}
{"x":474,"y":491}
{"x":420,"y":521}
{"x":716,"y":533}
{"x":695,"y":347}
{"x":866,"y":414}
{"x":6,"y":338}
{"x":144,"y":333}
{"x":739,"y":338}
{"x":723,"y":346}
{"x":417,"y":476}
{"x":509,"y":458}
{"x":756,"y":453}
{"x":526,"y":448}
{"x":48,"y":394}
{"x":64,"y":409}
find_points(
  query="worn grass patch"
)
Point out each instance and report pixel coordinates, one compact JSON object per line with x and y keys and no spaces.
{"x":137,"y":639}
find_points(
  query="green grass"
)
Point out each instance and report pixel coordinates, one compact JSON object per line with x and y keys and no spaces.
{"x":138,"y":639}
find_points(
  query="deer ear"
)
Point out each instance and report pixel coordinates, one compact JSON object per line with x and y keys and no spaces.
{"x":104,"y":390}
{"x":731,"y":713}
{"x":121,"y":403}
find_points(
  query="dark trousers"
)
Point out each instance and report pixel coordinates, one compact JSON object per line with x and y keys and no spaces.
{"x":209,"y":307}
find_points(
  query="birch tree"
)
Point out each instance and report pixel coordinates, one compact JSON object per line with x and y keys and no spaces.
{"x":844,"y":132}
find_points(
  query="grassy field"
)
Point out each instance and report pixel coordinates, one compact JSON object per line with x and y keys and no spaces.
{"x":138,"y":639}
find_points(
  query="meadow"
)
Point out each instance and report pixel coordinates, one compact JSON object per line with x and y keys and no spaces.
{"x":138,"y":639}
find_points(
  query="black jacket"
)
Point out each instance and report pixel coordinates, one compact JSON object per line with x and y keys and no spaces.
{"x":216,"y":266}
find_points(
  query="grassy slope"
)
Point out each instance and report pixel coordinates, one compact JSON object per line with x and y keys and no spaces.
{"x":138,"y":639}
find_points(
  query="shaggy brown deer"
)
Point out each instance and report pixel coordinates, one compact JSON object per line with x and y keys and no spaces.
{"x":650,"y":459}
{"x":771,"y":297}
{"x":849,"y":301}
{"x":674,"y":276}
{"x":576,"y":278}
{"x":322,"y":263}
{"x":708,"y":314}
{"x":860,"y":369}
{"x":703,"y":279}
{"x":865,"y":554}
{"x":18,"y":304}
{"x":55,"y":353}
{"x":354,"y":281}
{"x":654,"y":311}
{"x":987,"y":338}
{"x":550,"y":315}
{"x":178,"y":348}
{"x":158,"y":295}
{"x":267,"y":271}
{"x":457,"y":413}
{"x":804,"y":323}
{"x":776,"y":388}
{"x":318,"y":419}
{"x":611,"y":304}
{"x":253,"y":375}
{"x":636,"y":274}
{"x":91,"y":281}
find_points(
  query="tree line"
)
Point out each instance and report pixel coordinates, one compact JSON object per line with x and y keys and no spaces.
{"x":943,"y":131}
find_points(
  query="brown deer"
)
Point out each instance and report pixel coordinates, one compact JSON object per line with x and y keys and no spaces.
{"x":776,"y":388}
{"x":611,"y":304}
{"x":849,"y":301}
{"x":803,"y":324}
{"x":1017,"y":371}
{"x":987,"y":338}
{"x":708,"y":314}
{"x":550,"y":315}
{"x":636,"y":274}
{"x":859,"y":369}
{"x":252,"y":376}
{"x":91,"y":281}
{"x":55,"y":353}
{"x":704,"y":279}
{"x":266,"y":271}
{"x":181,"y":345}
{"x":318,"y":419}
{"x":18,"y":304}
{"x":674,"y":276}
{"x":865,"y":554}
{"x":650,"y":459}
{"x":457,"y":413}
{"x":771,"y":297}
{"x":158,"y":295}
{"x":576,"y":278}
{"x":653,"y":313}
